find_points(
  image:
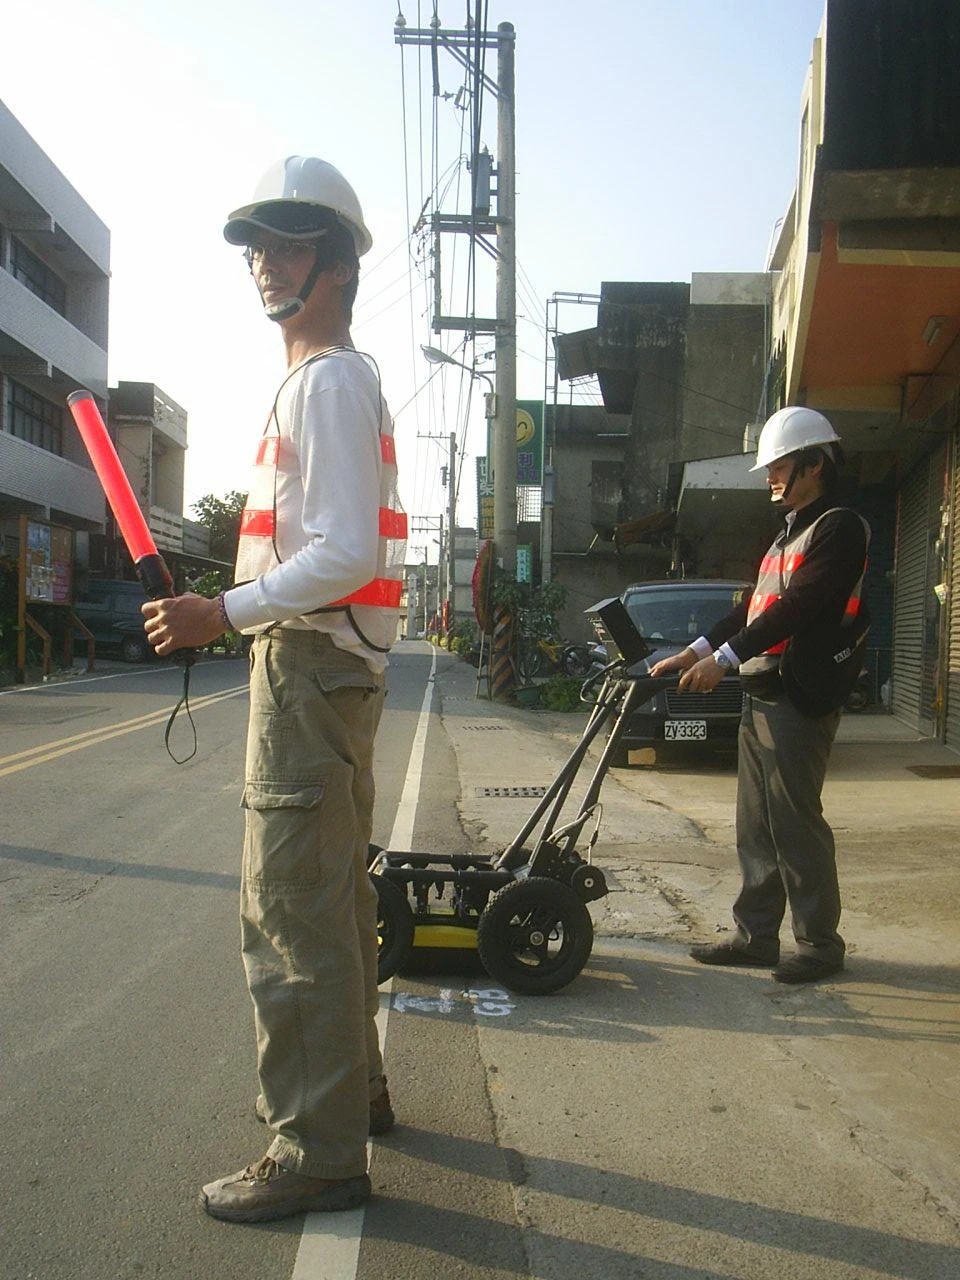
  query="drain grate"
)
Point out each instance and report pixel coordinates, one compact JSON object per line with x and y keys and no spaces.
{"x":510,"y":793}
{"x":934,"y":770}
{"x":489,"y":728}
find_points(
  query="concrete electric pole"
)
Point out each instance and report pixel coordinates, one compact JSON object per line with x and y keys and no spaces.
{"x":466,"y":47}
{"x":452,"y":533}
{"x":505,"y":421}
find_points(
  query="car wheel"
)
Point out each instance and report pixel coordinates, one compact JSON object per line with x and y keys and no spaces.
{"x":134,"y":649}
{"x":535,"y":936}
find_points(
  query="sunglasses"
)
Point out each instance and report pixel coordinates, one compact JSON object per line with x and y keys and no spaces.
{"x":279,"y":251}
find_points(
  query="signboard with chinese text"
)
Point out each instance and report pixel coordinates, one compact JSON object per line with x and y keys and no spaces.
{"x":524,"y":563}
{"x":529,"y":442}
{"x":48,"y":563}
{"x":485,"y":516}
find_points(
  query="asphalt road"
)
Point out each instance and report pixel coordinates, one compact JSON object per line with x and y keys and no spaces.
{"x":127,"y":1050}
{"x":647,"y":1121}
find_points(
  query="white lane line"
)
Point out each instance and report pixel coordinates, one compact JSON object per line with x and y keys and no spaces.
{"x":330,"y":1243}
{"x":402,"y":833}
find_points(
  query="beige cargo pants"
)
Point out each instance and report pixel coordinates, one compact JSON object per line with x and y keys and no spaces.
{"x":308,"y":908}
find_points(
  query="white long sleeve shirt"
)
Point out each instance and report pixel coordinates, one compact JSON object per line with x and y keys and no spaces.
{"x":326,"y":502}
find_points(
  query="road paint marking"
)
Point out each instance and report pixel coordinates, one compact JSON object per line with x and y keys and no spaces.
{"x":491,"y":1002}
{"x":330,"y":1243}
{"x":93,"y":737}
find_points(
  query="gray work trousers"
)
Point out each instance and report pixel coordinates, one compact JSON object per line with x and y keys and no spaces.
{"x":784,"y":843}
{"x":308,"y":907}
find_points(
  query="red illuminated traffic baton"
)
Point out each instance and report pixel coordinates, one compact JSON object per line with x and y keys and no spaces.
{"x":151,"y":569}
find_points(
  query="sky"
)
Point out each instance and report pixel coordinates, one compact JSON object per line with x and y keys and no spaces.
{"x":655,"y":138}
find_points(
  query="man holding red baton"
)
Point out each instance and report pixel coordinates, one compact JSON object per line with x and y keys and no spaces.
{"x":319,"y":570}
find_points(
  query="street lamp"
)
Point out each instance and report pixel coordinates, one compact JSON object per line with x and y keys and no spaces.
{"x":433,"y":355}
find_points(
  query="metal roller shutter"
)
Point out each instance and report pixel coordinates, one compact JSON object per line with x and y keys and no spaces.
{"x":953,"y":650}
{"x":916,"y":624}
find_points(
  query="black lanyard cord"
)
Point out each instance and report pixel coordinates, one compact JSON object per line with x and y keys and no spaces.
{"x":187,"y":660}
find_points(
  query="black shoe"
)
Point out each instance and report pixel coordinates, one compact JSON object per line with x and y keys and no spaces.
{"x":797,"y":969}
{"x":732,"y":953}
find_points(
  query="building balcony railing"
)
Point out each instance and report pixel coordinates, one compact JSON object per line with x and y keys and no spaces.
{"x":32,"y":475}
{"x":167,"y":529}
{"x":45,"y":333}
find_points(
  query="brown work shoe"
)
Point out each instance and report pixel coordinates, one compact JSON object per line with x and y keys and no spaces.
{"x":382,"y":1118}
{"x":265,"y":1191}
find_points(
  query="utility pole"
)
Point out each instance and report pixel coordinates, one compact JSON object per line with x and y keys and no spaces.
{"x":505,"y":422}
{"x":452,"y":532}
{"x":466,"y":46}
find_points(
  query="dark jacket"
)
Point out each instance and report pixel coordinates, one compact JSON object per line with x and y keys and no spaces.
{"x":816,"y":596}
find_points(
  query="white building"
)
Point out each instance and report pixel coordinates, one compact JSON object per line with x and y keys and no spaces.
{"x":54,"y":283}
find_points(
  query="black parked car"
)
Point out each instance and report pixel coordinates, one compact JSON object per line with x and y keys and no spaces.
{"x":669,"y":615}
{"x":111,"y":610}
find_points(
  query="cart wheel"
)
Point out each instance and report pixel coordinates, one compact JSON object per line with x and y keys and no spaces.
{"x":394,"y":927}
{"x":535,"y":936}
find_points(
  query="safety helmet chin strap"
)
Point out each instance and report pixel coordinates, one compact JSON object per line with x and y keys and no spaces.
{"x":794,"y":472}
{"x":799,"y":467}
{"x":287,"y":308}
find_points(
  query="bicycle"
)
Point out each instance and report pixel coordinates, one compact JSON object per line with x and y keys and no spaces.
{"x":538,"y":656}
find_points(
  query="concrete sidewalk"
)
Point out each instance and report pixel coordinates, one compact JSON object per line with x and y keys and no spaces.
{"x":882,"y":1038}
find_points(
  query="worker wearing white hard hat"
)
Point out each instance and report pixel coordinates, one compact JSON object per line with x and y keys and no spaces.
{"x":798,"y":643}
{"x":790,"y":430}
{"x":319,"y":567}
{"x":303,"y":200}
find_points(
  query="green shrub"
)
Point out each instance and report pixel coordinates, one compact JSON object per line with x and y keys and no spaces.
{"x":561,"y":693}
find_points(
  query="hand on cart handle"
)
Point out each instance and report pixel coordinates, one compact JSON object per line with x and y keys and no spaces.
{"x":700,"y":675}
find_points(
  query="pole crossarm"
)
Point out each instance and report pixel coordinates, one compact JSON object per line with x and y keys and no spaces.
{"x":463,"y":222}
{"x":468,"y":324}
{"x":454,"y":42}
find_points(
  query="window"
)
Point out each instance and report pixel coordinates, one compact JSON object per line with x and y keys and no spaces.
{"x":31,"y":418}
{"x":37,"y":276}
{"x":678,"y":614}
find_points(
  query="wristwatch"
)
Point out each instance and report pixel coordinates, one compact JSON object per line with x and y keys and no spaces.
{"x":722,"y":661}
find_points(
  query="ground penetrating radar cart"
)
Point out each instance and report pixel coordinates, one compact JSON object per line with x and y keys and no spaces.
{"x":524,"y":909}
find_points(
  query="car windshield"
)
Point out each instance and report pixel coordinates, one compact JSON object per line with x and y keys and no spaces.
{"x":677,"y":617}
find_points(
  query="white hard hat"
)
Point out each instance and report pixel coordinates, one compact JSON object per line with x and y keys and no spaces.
{"x":287,"y":200}
{"x":791,"y":429}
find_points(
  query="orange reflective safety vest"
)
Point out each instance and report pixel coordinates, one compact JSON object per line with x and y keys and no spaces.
{"x":257,"y":548}
{"x":776,"y":569}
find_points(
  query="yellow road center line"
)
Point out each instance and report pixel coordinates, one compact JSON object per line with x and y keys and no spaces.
{"x":92,"y":737}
